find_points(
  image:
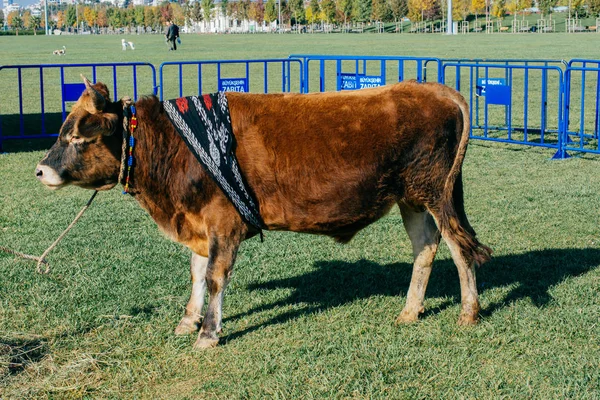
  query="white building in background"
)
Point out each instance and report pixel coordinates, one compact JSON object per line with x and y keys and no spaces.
{"x":11,"y":7}
{"x":220,"y":23}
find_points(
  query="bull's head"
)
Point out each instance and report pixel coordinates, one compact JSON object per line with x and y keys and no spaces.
{"x":88,"y":150}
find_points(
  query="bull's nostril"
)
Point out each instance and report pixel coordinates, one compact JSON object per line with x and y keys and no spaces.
{"x":39,"y":173}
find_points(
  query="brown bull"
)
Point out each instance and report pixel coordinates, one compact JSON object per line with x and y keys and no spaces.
{"x":326,"y":163}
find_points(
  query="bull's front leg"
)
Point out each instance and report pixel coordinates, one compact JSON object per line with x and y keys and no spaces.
{"x":222,"y":253}
{"x":193,"y":310}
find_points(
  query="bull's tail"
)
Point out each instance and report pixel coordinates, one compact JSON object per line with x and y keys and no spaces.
{"x":452,"y":217}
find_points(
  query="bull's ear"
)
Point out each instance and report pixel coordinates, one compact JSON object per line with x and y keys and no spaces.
{"x":98,"y":124}
{"x":97,"y":100}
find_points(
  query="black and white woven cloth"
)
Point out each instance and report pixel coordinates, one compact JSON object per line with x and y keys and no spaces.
{"x":205,"y":126}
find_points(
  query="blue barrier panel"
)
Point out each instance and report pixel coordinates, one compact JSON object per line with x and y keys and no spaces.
{"x":197,"y":77}
{"x":510,"y":61}
{"x":365,"y":71}
{"x":37,"y":105}
{"x":582,"y":97}
{"x":511,"y":103}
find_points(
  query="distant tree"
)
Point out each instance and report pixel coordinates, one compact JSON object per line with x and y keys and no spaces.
{"x":224,"y":8}
{"x":243,"y":9}
{"x":328,"y":10}
{"x":232,"y":10}
{"x":297,"y":9}
{"x":398,"y":8}
{"x":139,"y":16}
{"x":194,"y":12}
{"x":286,"y":13}
{"x":60,"y":19}
{"x":116,"y":18}
{"x":207,"y":9}
{"x":578,"y":9}
{"x":344,"y":9}
{"x":594,"y":7}
{"x":9,"y":18}
{"x":71,"y":16}
{"x":257,"y":11}
{"x":380,"y":11}
{"x":546,"y":6}
{"x":461,"y":9}
{"x":515,"y":6}
{"x":158,"y":22}
{"x":478,"y":7}
{"x":1,"y":17}
{"x":314,"y":9}
{"x":362,"y":10}
{"x":89,"y":16}
{"x":415,"y":8}
{"x":499,"y":9}
{"x":177,"y":14}
{"x":17,"y":24}
{"x":102,"y":18}
{"x":25,"y":16}
{"x":149,"y":17}
{"x":166,"y":13}
{"x":34,"y":23}
{"x":431,"y":10}
{"x":271,"y":11}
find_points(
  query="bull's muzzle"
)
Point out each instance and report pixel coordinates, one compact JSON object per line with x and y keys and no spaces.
{"x":49,"y":177}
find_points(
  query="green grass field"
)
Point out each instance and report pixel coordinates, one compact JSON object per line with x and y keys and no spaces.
{"x":304,"y":317}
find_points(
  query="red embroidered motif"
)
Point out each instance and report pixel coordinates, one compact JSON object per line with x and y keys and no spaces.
{"x":207,"y":101}
{"x":182,"y":104}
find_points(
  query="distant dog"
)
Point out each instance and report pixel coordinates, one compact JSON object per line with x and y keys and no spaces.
{"x":124,"y":45}
{"x":60,"y":52}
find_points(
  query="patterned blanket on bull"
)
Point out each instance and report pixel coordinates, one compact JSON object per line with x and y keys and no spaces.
{"x":204,"y":124}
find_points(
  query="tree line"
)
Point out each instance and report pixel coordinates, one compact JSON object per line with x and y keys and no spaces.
{"x":293,"y":12}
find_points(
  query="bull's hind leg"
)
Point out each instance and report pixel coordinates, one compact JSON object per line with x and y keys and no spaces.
{"x":466,"y":252}
{"x":469,"y":313}
{"x":193,"y":310}
{"x":218,"y":273}
{"x":425,"y":238}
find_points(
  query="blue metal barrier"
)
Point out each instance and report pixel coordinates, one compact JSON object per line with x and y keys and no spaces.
{"x":510,"y":61}
{"x":355,"y":72}
{"x":582,"y":131}
{"x":547,"y":103}
{"x":49,"y":82}
{"x":492,"y":91}
{"x":238,"y":76}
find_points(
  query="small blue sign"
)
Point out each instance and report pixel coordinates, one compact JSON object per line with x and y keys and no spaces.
{"x":482,"y":83}
{"x":495,"y":90}
{"x":348,"y":81}
{"x":73,"y":91}
{"x":233,"y":85}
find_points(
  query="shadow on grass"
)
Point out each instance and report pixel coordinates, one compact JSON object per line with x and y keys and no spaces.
{"x":17,"y":354}
{"x":10,"y":125}
{"x":335,"y":283}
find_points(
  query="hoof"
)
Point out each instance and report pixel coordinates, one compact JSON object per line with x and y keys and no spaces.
{"x":187,"y":326}
{"x":467,"y":320}
{"x":406,"y":317}
{"x":409,"y":315}
{"x":206,"y":343}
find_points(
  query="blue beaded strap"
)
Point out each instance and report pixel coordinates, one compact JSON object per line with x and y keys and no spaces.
{"x":132,"y":127}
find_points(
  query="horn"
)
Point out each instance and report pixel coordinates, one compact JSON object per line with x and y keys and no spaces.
{"x":97,"y":98}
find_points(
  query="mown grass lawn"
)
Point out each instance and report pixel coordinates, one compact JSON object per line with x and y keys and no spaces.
{"x":305,"y":317}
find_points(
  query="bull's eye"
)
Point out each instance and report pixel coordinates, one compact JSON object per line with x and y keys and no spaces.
{"x":76,"y":139}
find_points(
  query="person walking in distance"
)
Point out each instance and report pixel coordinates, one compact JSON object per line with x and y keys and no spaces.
{"x":172,"y":35}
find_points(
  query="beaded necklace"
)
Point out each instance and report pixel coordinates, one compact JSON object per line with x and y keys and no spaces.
{"x":129,"y":127}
